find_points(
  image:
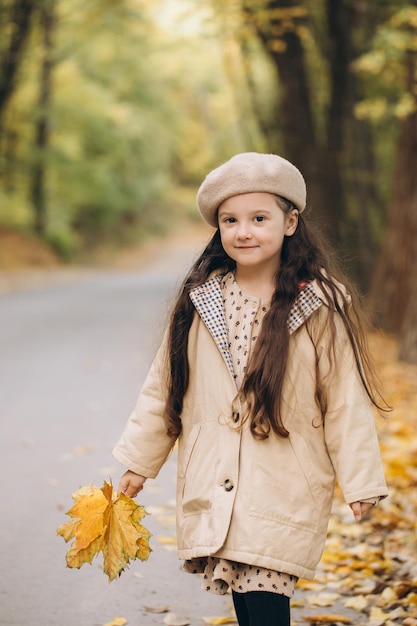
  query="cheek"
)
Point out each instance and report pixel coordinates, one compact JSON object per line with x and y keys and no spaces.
{"x":224,"y":237}
{"x":227,"y":244}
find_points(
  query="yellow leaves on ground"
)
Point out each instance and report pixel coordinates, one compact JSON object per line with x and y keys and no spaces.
{"x":327,"y":619}
{"x":108,"y":523}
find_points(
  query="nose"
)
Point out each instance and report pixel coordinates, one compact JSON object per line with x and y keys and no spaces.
{"x":243,"y":230}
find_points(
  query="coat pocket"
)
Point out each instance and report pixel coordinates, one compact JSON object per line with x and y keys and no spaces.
{"x":285,"y":488}
{"x":196,"y":468}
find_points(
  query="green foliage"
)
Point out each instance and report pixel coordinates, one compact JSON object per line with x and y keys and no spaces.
{"x":386,"y":67}
{"x":138,"y":109}
{"x":385,"y":73}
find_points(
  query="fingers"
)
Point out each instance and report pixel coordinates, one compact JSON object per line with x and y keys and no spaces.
{"x":132,"y":491}
{"x":131,"y":484}
{"x":129,"y":489}
{"x":359,"y":509}
{"x":365,"y":507}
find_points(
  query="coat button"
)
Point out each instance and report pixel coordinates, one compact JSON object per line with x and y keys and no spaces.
{"x":228,"y":485}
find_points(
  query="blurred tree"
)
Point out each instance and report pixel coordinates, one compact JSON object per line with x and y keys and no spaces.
{"x":394,"y":292}
{"x":408,"y":338}
{"x":15,"y":25}
{"x":15,"y":20}
{"x":42,"y":123}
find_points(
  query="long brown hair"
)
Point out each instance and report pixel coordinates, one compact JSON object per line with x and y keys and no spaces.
{"x":304,"y":258}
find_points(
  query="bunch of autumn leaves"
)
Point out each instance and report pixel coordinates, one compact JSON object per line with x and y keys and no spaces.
{"x":103,"y":521}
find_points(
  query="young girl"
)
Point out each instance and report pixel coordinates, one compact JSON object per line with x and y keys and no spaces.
{"x":264,"y":379}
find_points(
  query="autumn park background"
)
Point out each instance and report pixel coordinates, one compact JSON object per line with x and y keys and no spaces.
{"x":113,"y":111}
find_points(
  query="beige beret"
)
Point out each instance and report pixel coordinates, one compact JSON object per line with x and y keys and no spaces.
{"x":250,"y":172}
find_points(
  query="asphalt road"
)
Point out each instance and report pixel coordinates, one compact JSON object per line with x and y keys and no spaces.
{"x":72,"y":359}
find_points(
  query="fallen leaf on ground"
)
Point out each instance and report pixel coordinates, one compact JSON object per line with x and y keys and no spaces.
{"x":323,"y":599}
{"x":167,"y":540}
{"x":220,"y":620}
{"x":327,"y":619}
{"x":377,"y":617}
{"x":156,"y":609}
{"x":389,"y":595}
{"x":105,"y":522}
{"x":356,"y":602}
{"x":172,"y":619}
{"x":117,"y":621}
{"x":311,"y":585}
{"x":168,"y":543}
{"x":81,"y":450}
{"x":412,"y":597}
{"x":398,"y":613}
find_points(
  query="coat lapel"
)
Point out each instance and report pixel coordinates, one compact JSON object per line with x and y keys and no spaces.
{"x":208,"y":301}
{"x":305,"y":304}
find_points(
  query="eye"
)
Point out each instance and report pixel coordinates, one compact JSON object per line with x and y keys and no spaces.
{"x":259,"y":218}
{"x":229,"y":220}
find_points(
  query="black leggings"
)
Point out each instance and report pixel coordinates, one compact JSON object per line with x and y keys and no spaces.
{"x":261,"y":608}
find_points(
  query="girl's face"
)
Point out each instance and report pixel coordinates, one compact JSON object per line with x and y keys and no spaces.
{"x":252,"y":229}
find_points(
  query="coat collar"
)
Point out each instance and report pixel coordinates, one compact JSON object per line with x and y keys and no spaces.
{"x":208,"y":301}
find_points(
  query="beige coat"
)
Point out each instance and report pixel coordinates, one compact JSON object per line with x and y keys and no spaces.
{"x":266,"y":502}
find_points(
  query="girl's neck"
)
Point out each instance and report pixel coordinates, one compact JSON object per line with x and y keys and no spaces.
{"x":255,"y":283}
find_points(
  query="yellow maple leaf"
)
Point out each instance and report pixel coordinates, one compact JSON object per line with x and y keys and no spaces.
{"x":76,"y":557}
{"x":108,"y":523}
{"x":89,"y":510}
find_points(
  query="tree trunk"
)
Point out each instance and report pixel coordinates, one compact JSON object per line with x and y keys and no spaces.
{"x":361,"y":241}
{"x":395,"y":279}
{"x":349,"y":140}
{"x":339,"y":56}
{"x":280,"y":37}
{"x":47,"y":21}
{"x":269,"y":132}
{"x":408,"y":338}
{"x":19,"y":25}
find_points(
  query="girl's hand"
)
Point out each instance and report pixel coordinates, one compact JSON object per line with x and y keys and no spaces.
{"x":131,"y":483}
{"x":359,"y":509}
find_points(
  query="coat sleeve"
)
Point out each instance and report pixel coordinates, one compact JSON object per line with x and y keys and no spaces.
{"x":145,"y":445}
{"x":349,"y":424}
